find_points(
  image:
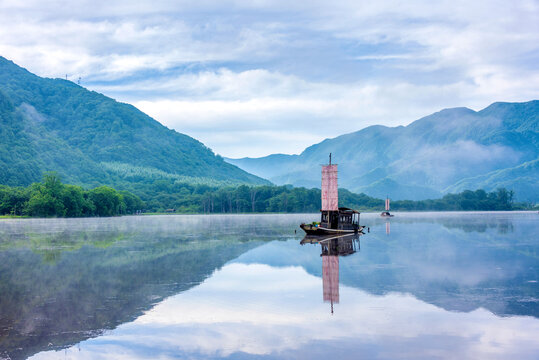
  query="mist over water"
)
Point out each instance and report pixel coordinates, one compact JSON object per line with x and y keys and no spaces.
{"x":419,"y":285}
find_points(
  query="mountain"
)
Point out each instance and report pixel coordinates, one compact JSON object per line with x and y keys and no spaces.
{"x":90,"y":139}
{"x":451,"y":150}
{"x":522,"y":179}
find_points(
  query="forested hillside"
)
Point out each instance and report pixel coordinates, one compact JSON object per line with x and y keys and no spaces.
{"x":90,"y":139}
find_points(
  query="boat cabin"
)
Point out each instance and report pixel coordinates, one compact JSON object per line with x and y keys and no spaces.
{"x":342,"y":219}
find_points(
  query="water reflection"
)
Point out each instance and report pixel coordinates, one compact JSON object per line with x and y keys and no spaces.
{"x":262,"y":311}
{"x":331,"y":248}
{"x":65,"y":280}
{"x":436,"y":285}
{"x":465,"y":221}
{"x":447,"y":266}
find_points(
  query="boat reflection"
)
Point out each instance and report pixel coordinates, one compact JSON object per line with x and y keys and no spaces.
{"x":332,"y":247}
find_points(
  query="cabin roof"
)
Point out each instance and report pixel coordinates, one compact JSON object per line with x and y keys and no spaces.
{"x":345,"y":209}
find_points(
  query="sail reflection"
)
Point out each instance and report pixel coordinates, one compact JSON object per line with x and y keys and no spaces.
{"x":330,"y":279}
{"x":331,"y":249}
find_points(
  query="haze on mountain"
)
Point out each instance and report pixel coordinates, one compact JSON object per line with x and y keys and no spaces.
{"x":253,"y":78}
{"x":449,"y":151}
{"x":91,"y":139}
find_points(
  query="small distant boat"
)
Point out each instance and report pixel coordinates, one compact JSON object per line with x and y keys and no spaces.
{"x":386,"y":213}
{"x":334,"y":220}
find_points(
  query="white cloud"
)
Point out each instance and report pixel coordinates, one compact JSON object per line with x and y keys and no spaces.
{"x":257,"y":112}
{"x":279,"y":67}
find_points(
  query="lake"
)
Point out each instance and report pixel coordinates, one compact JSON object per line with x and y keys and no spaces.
{"x":419,"y":285}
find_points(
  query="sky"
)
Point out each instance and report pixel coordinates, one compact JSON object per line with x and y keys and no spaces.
{"x":252,"y":78}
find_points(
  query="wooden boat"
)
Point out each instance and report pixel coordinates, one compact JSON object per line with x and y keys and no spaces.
{"x":311,"y":229}
{"x":342,"y":221}
{"x":334,"y":219}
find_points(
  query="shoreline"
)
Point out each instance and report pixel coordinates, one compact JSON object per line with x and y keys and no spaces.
{"x":16,"y":217}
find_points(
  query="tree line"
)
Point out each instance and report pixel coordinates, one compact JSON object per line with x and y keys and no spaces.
{"x":189,"y":198}
{"x":500,"y":199}
{"x":293,"y":200}
{"x":52,"y":198}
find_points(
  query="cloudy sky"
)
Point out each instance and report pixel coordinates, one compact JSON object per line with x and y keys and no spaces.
{"x":251,"y":78}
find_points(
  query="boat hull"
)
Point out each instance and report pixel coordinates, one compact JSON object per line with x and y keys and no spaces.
{"x":321,"y":231}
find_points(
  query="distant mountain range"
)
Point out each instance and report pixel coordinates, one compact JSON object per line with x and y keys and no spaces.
{"x":90,"y":139}
{"x":448,"y":151}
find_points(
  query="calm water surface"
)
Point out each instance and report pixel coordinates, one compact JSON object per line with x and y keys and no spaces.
{"x":423,"y":285}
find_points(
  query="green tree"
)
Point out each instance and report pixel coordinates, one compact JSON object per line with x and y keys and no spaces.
{"x":45,"y":198}
{"x":43,"y":204}
{"x":13,"y":200}
{"x":107,"y":201}
{"x":132,"y":202}
{"x":74,"y":201}
{"x":52,"y":184}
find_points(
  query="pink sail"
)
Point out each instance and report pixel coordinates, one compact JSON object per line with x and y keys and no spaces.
{"x":330,"y":192}
{"x":387,"y":204}
{"x":330,"y":278}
